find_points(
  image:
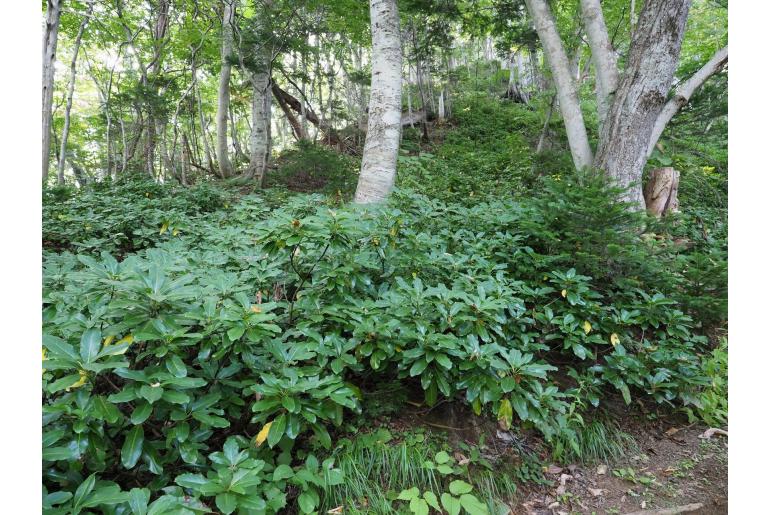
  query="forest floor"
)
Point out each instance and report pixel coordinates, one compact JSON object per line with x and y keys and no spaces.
{"x":670,"y":465}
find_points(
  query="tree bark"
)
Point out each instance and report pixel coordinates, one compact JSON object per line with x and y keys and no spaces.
{"x":683,"y":94}
{"x":260,"y":126}
{"x":660,"y":192}
{"x":50,"y":39}
{"x":602,"y":55}
{"x":288,"y":101}
{"x":223,"y":95}
{"x":652,"y":61}
{"x":565,"y":86}
{"x":70,"y":94}
{"x":378,"y":166}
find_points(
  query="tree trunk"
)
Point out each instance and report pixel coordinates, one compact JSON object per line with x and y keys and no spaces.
{"x":223,"y":95}
{"x":260,"y":126}
{"x":660,"y":192}
{"x":50,"y":38}
{"x":651,"y":64}
{"x":565,"y":86}
{"x":602,"y":55}
{"x":70,"y":94}
{"x":378,"y":166}
{"x":683,"y":94}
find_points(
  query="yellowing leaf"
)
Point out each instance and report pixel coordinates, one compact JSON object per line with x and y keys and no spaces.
{"x":614,"y":339}
{"x":108,"y":340}
{"x":80,"y":382}
{"x":262,"y":435}
{"x":505,"y":414}
{"x":126,"y":339}
{"x":175,"y":232}
{"x":564,"y":293}
{"x":163,"y":228}
{"x":256,"y":309}
{"x":45,"y":356}
{"x":587,"y":326}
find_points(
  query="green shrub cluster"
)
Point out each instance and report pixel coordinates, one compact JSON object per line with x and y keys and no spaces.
{"x":215,"y":366}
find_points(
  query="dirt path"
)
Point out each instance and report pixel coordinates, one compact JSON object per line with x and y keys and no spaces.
{"x":672,"y":467}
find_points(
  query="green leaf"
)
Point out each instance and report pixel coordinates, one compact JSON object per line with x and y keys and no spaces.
{"x":107,"y":495}
{"x":307,"y":502}
{"x":408,"y":495}
{"x":90,"y":344}
{"x":282,"y":472}
{"x":505,"y":413}
{"x":227,"y":502}
{"x":520,"y":405}
{"x":419,"y":506}
{"x":442,"y":457}
{"x":138,"y":499}
{"x":59,"y":347}
{"x":175,"y":397}
{"x":192,"y":481}
{"x":176,"y":366}
{"x":141,"y":413}
{"x":276,"y":430}
{"x":82,"y":491}
{"x":458,"y":487}
{"x":451,"y":504}
{"x":151,"y":393}
{"x":472,"y":505}
{"x":431,"y":499}
{"x":418,"y":367}
{"x":132,"y":447}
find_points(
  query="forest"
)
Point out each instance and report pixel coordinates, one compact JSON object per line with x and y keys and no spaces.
{"x":390,"y":257}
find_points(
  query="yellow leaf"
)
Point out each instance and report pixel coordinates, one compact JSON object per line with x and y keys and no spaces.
{"x":175,"y":232}
{"x":587,"y":326}
{"x":564,"y":293}
{"x":256,"y":309}
{"x":126,"y":339}
{"x":108,"y":340}
{"x":45,"y":356}
{"x":262,"y":435}
{"x":80,"y":382}
{"x":614,"y":339}
{"x":163,"y":228}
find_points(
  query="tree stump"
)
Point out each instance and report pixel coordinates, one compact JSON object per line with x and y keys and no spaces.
{"x":660,"y":192}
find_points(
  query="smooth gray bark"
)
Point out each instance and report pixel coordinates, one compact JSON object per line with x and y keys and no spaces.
{"x":50,"y":39}
{"x":569,"y":102}
{"x":378,"y":166}
{"x":602,"y":55}
{"x":223,"y":96}
{"x":70,"y":94}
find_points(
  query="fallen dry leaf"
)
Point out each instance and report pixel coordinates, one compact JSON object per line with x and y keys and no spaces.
{"x":596,"y":492}
{"x":672,"y":431}
{"x":338,"y":509}
{"x":601,"y":470}
{"x":553,"y":469}
{"x":564,"y":478}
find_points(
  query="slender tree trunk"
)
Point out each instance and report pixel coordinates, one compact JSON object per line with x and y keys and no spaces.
{"x":223,"y":95}
{"x":602,"y":55}
{"x":640,"y":97}
{"x":260,"y":126}
{"x":569,"y":102}
{"x":50,"y":38}
{"x":683,"y":94}
{"x":240,"y":155}
{"x":70,"y":94}
{"x":378,"y":166}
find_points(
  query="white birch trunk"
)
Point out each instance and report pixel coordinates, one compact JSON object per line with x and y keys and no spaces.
{"x":565,"y":86}
{"x":70,"y":94}
{"x":261,"y":122}
{"x":223,"y":96}
{"x":378,"y":166}
{"x":602,"y":55}
{"x":50,"y":38}
{"x":683,"y":94}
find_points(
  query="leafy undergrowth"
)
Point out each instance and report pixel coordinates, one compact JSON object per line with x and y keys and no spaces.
{"x":202,"y":353}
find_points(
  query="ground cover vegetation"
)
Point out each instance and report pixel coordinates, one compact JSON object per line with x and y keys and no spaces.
{"x":249,"y":344}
